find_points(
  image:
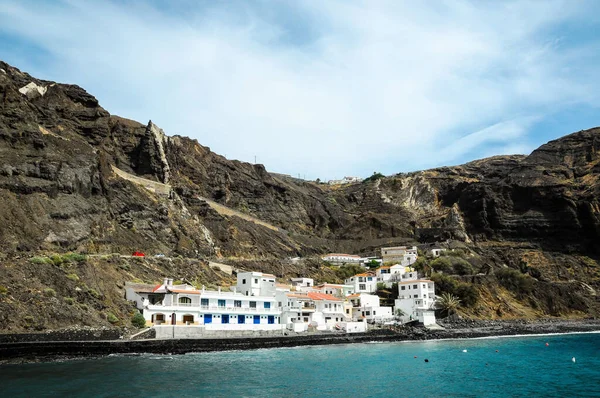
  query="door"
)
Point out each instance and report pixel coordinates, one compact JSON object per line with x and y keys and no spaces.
{"x":207,"y":318}
{"x":241,"y":318}
{"x":173,"y":319}
{"x":256,"y":319}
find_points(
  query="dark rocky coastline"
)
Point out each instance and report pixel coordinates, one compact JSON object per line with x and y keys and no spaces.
{"x":27,"y":350}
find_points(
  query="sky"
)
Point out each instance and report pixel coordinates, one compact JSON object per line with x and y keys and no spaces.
{"x":326,"y":89}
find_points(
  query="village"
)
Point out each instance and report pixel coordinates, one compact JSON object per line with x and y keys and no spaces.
{"x":260,"y":306}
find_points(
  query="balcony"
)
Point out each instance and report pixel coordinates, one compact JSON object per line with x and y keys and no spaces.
{"x":215,"y":308}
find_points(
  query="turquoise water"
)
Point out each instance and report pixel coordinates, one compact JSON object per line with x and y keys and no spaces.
{"x":522,"y":367}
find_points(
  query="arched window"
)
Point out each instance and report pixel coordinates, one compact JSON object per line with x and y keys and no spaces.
{"x":185,"y":300}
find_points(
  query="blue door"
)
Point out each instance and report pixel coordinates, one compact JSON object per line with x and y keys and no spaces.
{"x":207,"y":318}
{"x":225,"y":319}
{"x":241,"y":318}
{"x":271,"y":319}
{"x":256,"y":319}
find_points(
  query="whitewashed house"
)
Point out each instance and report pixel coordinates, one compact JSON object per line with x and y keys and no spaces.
{"x":256,"y":284}
{"x":388,"y":272}
{"x":416,"y":300}
{"x":184,"y":305}
{"x":340,"y":291}
{"x":302,"y":311}
{"x":400,"y":254}
{"x":365,"y":282}
{"x":436,"y":252}
{"x":368,"y":307}
{"x":341,"y":258}
{"x":302,"y":284}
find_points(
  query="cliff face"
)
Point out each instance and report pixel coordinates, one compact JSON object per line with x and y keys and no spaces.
{"x":75,"y":178}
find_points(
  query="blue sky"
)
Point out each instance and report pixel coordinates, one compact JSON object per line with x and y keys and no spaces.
{"x":327,"y":88}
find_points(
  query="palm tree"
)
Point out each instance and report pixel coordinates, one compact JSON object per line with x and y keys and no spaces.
{"x":449,"y":303}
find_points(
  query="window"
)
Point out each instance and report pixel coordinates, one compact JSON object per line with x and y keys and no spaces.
{"x":221,"y":303}
{"x":403,"y":288}
{"x":368,"y":312}
{"x":370,"y":278}
{"x":362,"y":286}
{"x":373,"y":312}
{"x":416,"y":296}
{"x":185,"y":300}
{"x":188,"y":318}
{"x":267,"y":304}
{"x":237,"y":303}
{"x":225,"y":319}
{"x":424,"y":285}
{"x":255,"y":280}
{"x":253,"y":304}
{"x":243,"y":281}
{"x":347,"y":310}
{"x":204,"y":302}
{"x":414,"y":286}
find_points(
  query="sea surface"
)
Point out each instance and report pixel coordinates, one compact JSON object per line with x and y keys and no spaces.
{"x":493,"y":367}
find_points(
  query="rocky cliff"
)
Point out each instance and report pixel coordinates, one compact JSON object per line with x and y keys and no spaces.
{"x":74,"y":178}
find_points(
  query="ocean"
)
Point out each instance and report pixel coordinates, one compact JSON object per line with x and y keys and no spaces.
{"x":491,"y":367}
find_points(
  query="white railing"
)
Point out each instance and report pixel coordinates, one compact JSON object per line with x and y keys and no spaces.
{"x":214,"y":308}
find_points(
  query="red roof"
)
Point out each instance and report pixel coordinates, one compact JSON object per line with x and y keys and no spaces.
{"x":156,"y":288}
{"x":322,"y":296}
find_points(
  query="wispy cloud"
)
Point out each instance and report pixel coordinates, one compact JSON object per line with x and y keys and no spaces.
{"x":324,"y":89}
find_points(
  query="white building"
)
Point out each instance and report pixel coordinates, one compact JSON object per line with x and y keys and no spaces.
{"x":340,"y":291}
{"x":363,"y":283}
{"x":400,"y":254}
{"x":256,"y":284}
{"x":387,"y":272}
{"x":169,"y":304}
{"x":345,"y":180}
{"x":303,"y":311}
{"x":341,"y":258}
{"x":303,"y":284}
{"x":367,"y":306}
{"x":416,"y":300}
{"x":436,"y":252}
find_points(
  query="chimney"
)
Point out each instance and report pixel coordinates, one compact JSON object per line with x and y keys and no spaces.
{"x":170,"y":282}
{"x":166,"y":282}
{"x":219,"y":289}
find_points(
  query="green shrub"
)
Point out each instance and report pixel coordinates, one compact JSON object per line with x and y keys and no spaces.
{"x":40,"y":260}
{"x":69,"y":300}
{"x":94,"y":293}
{"x":348,"y":270}
{"x":467,"y":294}
{"x":138,"y":320}
{"x":56,"y":259}
{"x":462,"y":266}
{"x":515,"y":281}
{"x":73,"y":277}
{"x":48,"y":292}
{"x":83,"y":307}
{"x":112,"y":318}
{"x":443,"y":264}
{"x":74,"y":257}
{"x":3,"y":291}
{"x":376,"y":176}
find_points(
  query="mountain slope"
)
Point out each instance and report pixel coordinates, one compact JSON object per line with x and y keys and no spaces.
{"x":73,"y":177}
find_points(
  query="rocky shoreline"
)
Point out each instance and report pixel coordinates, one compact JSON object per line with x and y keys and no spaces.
{"x":28,"y":350}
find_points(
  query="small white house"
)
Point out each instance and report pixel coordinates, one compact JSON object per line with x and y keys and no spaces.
{"x":436,"y":252}
{"x":303,"y":284}
{"x":302,"y":311}
{"x":340,"y":291}
{"x":363,"y":283}
{"x":416,"y":300}
{"x":368,"y":307}
{"x":341,"y":258}
{"x":399,"y":254}
{"x":256,"y":284}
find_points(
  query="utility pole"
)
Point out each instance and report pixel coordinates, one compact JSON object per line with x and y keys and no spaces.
{"x":254,"y":159}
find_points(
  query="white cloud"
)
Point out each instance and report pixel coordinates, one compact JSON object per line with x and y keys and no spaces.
{"x":324,"y":89}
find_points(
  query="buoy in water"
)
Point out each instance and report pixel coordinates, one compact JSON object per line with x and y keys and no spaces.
{"x":464,"y":350}
{"x":426,"y":360}
{"x":415,"y":356}
{"x":573,"y":359}
{"x":547,"y":344}
{"x":496,"y":350}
